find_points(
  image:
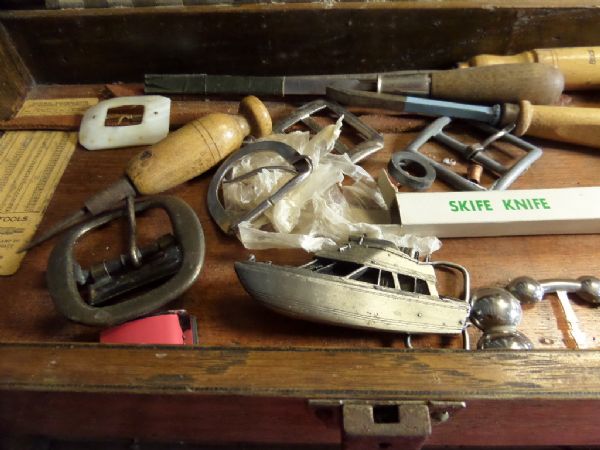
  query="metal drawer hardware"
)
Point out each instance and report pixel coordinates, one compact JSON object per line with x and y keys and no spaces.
{"x":179,"y":257}
{"x":300,"y":166}
{"x":474,"y":153}
{"x":373,"y":141}
{"x":367,"y":424}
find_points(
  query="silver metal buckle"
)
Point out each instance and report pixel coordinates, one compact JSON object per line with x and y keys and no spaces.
{"x":474,"y":153}
{"x":301,"y":165}
{"x":373,"y":141}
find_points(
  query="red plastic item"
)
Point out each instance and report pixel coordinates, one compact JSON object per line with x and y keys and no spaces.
{"x":164,"y":329}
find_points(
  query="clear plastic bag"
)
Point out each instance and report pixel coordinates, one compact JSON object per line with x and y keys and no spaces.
{"x":338,"y":200}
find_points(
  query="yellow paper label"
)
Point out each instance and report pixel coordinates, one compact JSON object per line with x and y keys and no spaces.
{"x":31,"y":165}
{"x":56,"y":107}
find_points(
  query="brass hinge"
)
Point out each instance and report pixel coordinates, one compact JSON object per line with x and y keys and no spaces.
{"x":387,"y":425}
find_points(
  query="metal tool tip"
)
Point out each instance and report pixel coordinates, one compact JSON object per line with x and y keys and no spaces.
{"x":55,"y":229}
{"x":24,"y":248}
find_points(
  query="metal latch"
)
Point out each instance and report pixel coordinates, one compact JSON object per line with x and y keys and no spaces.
{"x":402,"y":425}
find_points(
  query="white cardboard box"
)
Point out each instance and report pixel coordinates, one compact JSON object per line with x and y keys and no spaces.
{"x":500,"y":213}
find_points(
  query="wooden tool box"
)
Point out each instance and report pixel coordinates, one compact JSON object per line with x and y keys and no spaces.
{"x":258,"y":377}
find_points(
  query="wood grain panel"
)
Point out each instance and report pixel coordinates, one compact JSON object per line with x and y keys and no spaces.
{"x":304,"y":373}
{"x":221,"y":395}
{"x":229,"y":317}
{"x":273,"y":38}
{"x":254,"y":370}
{"x":15,"y":79}
{"x":268,"y":421}
{"x":194,"y":418}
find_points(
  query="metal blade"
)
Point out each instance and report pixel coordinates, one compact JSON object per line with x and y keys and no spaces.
{"x":201,"y":83}
{"x":417,"y":105}
{"x":55,"y":229}
{"x":96,"y":204}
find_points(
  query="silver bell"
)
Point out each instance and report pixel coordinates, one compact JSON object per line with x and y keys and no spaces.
{"x":526,"y":289}
{"x":504,"y":339}
{"x":494,"y":307}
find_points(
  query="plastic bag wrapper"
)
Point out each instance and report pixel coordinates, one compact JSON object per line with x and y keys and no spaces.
{"x":319,"y":213}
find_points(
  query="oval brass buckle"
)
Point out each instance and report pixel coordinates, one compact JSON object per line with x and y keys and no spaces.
{"x":301,"y":166}
{"x":63,"y":271}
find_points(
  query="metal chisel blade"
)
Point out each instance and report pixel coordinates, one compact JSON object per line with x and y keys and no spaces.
{"x":417,"y":105}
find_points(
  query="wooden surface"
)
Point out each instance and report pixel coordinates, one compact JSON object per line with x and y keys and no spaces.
{"x":251,"y":376}
{"x":259,"y":395}
{"x":229,"y":317}
{"x":254,"y":386}
{"x":276,"y":38}
{"x":303,"y":372}
{"x":15,"y":79}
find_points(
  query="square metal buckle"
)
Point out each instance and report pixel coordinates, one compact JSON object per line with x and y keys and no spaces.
{"x":373,"y":141}
{"x":475,"y":153}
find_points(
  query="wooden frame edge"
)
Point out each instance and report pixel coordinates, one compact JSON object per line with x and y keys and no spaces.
{"x":302,"y":372}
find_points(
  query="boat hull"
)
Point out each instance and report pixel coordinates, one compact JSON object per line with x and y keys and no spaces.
{"x":303,"y":294}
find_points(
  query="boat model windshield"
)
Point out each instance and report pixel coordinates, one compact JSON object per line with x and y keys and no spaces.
{"x":367,"y":274}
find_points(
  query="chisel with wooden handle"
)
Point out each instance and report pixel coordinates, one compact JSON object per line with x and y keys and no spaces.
{"x":579,"y":65}
{"x":181,"y":156}
{"x":538,"y":83}
{"x":560,"y":123}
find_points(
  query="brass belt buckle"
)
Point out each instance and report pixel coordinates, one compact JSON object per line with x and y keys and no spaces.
{"x":180,"y":256}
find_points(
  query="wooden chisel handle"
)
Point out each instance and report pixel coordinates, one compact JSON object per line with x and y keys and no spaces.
{"x":538,"y":83}
{"x":559,"y":123}
{"x":196,"y":147}
{"x":579,"y":65}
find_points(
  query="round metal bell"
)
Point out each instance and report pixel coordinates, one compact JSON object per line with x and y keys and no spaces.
{"x":494,"y":307}
{"x":504,"y":339}
{"x":526,"y":289}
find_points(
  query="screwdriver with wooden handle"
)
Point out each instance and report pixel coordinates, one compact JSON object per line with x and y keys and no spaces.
{"x":560,"y":123}
{"x":579,"y":65}
{"x":181,"y":156}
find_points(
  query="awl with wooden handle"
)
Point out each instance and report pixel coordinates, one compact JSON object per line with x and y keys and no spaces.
{"x":538,"y":83}
{"x":579,"y":65}
{"x":181,"y":156}
{"x":560,"y":123}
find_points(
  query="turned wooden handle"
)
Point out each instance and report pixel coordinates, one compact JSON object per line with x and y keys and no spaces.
{"x":560,"y":123}
{"x":579,"y":65}
{"x":196,"y":147}
{"x":538,"y":83}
